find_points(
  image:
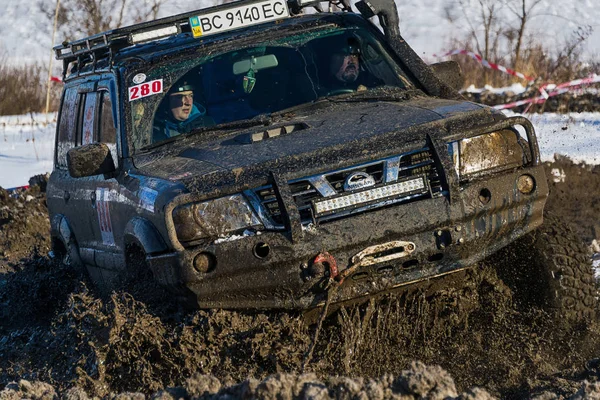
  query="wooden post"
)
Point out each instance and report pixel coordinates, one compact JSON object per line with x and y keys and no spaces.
{"x":48,"y":83}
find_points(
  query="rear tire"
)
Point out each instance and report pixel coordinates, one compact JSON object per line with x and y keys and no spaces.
{"x":550,"y":268}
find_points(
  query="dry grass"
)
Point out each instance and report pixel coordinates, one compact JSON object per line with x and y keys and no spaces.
{"x":23,"y":89}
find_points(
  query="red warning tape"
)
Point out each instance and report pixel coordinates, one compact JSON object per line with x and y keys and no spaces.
{"x":55,"y":79}
{"x":552,"y":91}
{"x":546,"y":91}
{"x":15,"y":189}
{"x":488,"y":64}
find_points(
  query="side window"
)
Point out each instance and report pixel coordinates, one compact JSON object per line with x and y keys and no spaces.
{"x":66,"y":130}
{"x":108,"y":131}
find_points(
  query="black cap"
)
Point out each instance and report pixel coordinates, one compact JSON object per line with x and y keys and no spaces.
{"x":181,"y":87}
{"x":351,"y":49}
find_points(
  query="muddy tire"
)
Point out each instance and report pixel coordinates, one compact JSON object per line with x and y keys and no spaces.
{"x":550,"y":268}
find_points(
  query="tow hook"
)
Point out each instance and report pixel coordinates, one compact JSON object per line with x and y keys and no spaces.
{"x":323,"y":265}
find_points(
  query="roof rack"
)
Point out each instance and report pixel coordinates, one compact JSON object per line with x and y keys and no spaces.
{"x":103,"y":46}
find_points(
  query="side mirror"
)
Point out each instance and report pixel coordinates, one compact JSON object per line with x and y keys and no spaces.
{"x":450,"y":73}
{"x":89,"y":160}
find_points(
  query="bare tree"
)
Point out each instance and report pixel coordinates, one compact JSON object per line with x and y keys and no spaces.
{"x":87,"y":17}
{"x":523,"y":10}
{"x":484,"y":28}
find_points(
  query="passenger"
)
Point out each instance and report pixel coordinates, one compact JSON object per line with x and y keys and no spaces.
{"x":179,"y":113}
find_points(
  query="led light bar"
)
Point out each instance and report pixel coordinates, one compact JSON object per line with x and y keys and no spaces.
{"x":415,"y":185}
{"x":154,"y":34}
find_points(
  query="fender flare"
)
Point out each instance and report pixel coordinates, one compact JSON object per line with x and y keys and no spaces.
{"x":141,"y":231}
{"x":61,"y":230}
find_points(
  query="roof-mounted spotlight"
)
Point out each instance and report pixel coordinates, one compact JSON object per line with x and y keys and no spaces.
{"x":154,"y":34}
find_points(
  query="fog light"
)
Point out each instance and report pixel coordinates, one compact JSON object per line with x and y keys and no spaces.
{"x":204,"y":262}
{"x":526,"y":184}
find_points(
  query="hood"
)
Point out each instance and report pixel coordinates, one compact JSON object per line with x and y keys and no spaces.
{"x":342,"y":133}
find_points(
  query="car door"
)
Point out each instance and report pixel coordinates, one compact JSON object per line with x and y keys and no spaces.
{"x":67,"y":195}
{"x":109,"y":201}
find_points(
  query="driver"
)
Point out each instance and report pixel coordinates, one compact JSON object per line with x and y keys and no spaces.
{"x":178,"y":113}
{"x":345,"y":67}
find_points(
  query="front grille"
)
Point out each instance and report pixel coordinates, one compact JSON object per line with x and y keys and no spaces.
{"x":330,"y":184}
{"x":337,"y":179}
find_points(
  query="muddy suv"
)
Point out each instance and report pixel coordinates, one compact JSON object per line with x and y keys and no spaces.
{"x":253,"y":156}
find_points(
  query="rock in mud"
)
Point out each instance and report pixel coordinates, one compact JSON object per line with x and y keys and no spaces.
{"x":28,"y":390}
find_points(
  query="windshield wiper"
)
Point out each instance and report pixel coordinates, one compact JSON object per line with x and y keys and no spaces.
{"x":261,"y":119}
{"x":385,"y":93}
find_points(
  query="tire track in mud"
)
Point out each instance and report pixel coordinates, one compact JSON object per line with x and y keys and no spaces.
{"x":54,"y":329}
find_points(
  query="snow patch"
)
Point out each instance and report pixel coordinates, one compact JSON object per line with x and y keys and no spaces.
{"x":233,"y":238}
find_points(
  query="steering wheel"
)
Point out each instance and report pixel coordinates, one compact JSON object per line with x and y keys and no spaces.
{"x":340,"y":91}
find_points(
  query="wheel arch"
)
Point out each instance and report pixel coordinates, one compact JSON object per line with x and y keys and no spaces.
{"x":60,"y":230}
{"x":142,"y":233}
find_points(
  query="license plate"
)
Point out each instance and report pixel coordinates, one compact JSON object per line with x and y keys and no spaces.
{"x":239,"y":17}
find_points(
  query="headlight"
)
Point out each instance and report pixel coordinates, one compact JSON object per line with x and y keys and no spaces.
{"x":214,"y":218}
{"x":488,"y":153}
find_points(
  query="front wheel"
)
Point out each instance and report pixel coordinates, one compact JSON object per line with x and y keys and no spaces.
{"x":551,"y":268}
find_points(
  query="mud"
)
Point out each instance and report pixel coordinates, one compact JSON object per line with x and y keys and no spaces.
{"x":59,"y":338}
{"x":574,"y":195}
{"x":24,"y":225}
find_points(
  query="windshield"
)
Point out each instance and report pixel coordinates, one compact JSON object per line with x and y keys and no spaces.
{"x":261,"y":79}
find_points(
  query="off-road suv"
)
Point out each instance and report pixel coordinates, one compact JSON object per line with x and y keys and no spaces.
{"x":250,"y":155}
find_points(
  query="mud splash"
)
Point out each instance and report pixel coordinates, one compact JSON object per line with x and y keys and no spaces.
{"x":24,"y":225}
{"x":118,"y":344}
{"x":56,"y":330}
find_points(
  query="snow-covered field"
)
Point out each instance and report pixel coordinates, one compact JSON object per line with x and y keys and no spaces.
{"x":27,"y":142}
{"x":26,"y":147}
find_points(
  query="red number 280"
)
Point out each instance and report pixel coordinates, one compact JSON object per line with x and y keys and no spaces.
{"x":145,"y":89}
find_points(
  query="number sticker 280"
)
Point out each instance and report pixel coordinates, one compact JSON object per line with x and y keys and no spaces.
{"x":145,"y":89}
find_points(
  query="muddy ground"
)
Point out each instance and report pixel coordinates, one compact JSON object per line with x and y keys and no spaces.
{"x":58,"y":337}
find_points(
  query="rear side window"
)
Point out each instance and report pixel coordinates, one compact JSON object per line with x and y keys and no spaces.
{"x":88,"y":120}
{"x":67,"y":127}
{"x":107,"y":132}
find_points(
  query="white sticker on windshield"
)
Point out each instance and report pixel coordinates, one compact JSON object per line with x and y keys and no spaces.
{"x":139,"y":78}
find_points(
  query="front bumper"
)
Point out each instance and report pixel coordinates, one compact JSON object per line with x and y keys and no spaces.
{"x":448,"y":235}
